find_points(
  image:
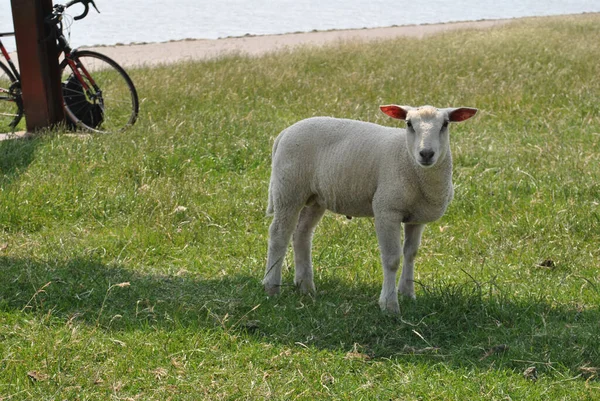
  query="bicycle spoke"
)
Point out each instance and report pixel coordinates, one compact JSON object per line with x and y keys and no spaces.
{"x":11,"y":110}
{"x":99,"y":94}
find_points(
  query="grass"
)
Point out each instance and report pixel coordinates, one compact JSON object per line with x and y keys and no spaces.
{"x":130,"y":264}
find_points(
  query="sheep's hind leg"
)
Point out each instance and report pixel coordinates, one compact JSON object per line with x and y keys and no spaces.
{"x":302,"y":241}
{"x":280,"y":233}
{"x":388,"y":236}
{"x":412,"y":240}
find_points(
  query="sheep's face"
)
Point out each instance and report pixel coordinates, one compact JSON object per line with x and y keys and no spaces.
{"x":427,"y":136}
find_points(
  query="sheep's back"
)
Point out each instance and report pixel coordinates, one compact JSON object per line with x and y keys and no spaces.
{"x":337,"y":161}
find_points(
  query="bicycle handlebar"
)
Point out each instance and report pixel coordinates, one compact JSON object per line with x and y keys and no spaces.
{"x":54,"y":20}
{"x":86,"y":4}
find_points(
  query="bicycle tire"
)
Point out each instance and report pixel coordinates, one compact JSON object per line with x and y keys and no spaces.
{"x":11,"y":104}
{"x":111,"y":106}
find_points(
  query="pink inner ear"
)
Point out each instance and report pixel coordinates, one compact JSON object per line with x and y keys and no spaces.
{"x":394,"y":111}
{"x":462,"y":114}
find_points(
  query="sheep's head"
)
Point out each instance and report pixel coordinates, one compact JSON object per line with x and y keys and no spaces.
{"x":427,"y":129}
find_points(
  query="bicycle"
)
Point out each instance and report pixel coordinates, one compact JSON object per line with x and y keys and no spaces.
{"x":98,"y":95}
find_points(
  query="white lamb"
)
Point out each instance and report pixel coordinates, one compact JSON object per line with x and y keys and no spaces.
{"x":359,"y":169}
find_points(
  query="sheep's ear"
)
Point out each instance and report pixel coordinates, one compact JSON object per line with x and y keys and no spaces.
{"x":461,"y":114}
{"x":395,"y":111}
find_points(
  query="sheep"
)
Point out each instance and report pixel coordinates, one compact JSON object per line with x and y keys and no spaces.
{"x":360,"y":169}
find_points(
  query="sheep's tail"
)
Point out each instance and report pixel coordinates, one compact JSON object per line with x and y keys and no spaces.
{"x":270,"y":207}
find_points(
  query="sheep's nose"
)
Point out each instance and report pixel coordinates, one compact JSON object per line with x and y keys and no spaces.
{"x":426,"y":155}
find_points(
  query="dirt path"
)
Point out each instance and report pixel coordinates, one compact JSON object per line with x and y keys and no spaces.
{"x":171,"y":52}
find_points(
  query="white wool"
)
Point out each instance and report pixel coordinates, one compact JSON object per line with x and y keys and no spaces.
{"x":360,"y":169}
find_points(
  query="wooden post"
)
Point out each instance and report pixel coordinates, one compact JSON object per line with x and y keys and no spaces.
{"x":38,"y":63}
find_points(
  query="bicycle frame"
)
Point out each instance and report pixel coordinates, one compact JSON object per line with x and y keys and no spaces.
{"x":83,"y":99}
{"x":78,"y":69}
{"x":7,"y":56}
{"x":6,"y":94}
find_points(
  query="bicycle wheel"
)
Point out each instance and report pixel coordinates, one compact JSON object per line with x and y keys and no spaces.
{"x":11,"y":105}
{"x":98,"y":94}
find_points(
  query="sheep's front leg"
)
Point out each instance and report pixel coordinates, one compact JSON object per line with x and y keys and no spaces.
{"x":309,"y":218}
{"x":388,"y":236}
{"x":412,"y":240}
{"x":280,"y":233}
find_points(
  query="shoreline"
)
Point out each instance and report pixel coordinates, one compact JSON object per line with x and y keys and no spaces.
{"x":164,"y":53}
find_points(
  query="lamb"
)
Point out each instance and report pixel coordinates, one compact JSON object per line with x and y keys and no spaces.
{"x":360,"y":169}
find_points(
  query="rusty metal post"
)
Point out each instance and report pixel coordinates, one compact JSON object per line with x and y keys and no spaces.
{"x":38,"y":63}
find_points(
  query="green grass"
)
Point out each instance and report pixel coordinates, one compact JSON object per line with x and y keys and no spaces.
{"x":130,"y":264}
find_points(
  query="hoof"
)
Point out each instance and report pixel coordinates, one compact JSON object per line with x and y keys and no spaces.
{"x":389,"y":306}
{"x":272,"y":290}
{"x":306,"y":287}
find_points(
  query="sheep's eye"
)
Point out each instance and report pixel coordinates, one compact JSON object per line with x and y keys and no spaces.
{"x":409,"y":124}
{"x":445,"y":125}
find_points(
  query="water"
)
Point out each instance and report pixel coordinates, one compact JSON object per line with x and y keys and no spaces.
{"x":135,"y":21}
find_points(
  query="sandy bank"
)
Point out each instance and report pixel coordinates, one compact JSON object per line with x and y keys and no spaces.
{"x":171,"y":52}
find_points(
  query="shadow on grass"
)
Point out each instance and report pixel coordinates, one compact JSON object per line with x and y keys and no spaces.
{"x":457,"y":324}
{"x":15,"y":156}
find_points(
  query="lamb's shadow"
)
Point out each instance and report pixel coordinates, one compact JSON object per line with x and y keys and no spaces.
{"x":454,"y":323}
